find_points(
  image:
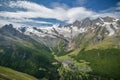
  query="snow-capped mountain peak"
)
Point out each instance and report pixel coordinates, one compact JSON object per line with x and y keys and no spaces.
{"x":69,"y":31}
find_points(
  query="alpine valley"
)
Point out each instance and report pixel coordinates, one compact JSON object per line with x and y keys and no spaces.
{"x":84,"y":50}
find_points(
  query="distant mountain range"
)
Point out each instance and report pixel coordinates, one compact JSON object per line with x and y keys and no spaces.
{"x":51,"y":36}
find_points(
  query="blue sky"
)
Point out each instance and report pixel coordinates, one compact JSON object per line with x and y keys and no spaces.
{"x":48,"y":12}
{"x":96,"y":5}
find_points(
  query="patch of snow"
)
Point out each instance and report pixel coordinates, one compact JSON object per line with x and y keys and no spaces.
{"x":115,"y":25}
{"x":65,"y":31}
{"x":111,"y":31}
{"x":115,"y":20}
{"x":98,"y":24}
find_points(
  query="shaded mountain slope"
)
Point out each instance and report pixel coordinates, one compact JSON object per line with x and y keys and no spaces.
{"x":22,"y":53}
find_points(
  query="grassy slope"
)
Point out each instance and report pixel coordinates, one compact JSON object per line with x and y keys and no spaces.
{"x":9,"y":74}
{"x":103,"y":62}
{"x":103,"y":57}
{"x":110,"y":42}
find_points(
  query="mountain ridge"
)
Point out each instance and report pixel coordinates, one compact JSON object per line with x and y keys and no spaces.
{"x":52,"y":36}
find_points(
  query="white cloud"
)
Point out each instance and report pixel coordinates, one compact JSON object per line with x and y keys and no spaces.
{"x":62,"y":13}
{"x":118,"y":6}
{"x":25,"y":20}
{"x":21,"y":22}
{"x":118,"y":3}
{"x":78,"y":13}
{"x":62,"y":5}
{"x":0,"y":4}
{"x":35,"y":10}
